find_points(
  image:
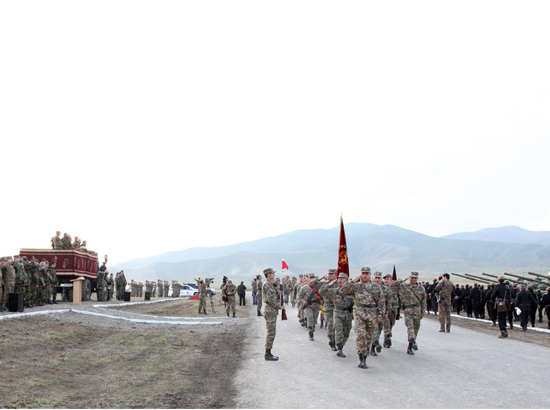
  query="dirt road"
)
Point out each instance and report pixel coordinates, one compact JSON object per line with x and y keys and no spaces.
{"x":461,"y":369}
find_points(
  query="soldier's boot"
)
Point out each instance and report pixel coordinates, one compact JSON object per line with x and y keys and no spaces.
{"x":372,"y":351}
{"x":378,"y":346}
{"x":332,"y":343}
{"x":321,"y":325}
{"x":503,"y":334}
{"x":414,"y":345}
{"x":259,"y":313}
{"x":311,"y":334}
{"x":448,"y":328}
{"x":304,"y":323}
{"x":409,"y":349}
{"x":234,"y":315}
{"x":269,"y":356}
{"x":387,"y":342}
{"x":227,"y":314}
{"x":442,"y":328}
{"x":340,"y":351}
{"x":362,"y":361}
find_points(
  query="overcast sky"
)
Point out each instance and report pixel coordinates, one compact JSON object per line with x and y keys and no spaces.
{"x":147,"y":127}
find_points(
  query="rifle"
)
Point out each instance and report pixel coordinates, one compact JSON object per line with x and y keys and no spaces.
{"x":283,"y":314}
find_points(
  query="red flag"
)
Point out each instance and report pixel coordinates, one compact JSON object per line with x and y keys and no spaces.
{"x":285,"y":266}
{"x":394,"y":277}
{"x":343,"y":265}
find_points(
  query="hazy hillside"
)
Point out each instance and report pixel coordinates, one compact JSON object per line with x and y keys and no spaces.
{"x":508,"y":234}
{"x":315,"y":250}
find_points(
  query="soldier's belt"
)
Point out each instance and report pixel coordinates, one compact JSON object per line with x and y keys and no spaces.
{"x":342,"y":309}
{"x":372,"y":305}
{"x":411,"y":306}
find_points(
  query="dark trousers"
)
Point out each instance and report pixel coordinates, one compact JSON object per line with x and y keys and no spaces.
{"x":502,"y":320}
{"x":533,"y":315}
{"x":241,"y":300}
{"x":524,"y":317}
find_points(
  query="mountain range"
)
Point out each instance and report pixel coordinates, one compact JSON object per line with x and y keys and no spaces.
{"x":496,"y":250}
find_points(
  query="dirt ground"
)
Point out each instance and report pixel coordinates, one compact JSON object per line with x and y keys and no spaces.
{"x":70,"y":360}
{"x":530,"y":336}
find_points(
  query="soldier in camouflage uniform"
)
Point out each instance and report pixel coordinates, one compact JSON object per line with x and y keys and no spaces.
{"x":392,"y":303}
{"x":271,"y":296}
{"x":368,"y":310}
{"x":8,"y":271}
{"x":229,"y":291}
{"x":160,"y":287}
{"x":310,"y":300}
{"x":259,"y":295}
{"x":21,"y":278}
{"x":376,"y":347}
{"x":328,"y":305}
{"x":57,"y":243}
{"x":413,"y":298}
{"x":445,"y":288}
{"x":299,"y":287}
{"x":202,"y":285}
{"x":110,"y":285}
{"x":342,"y":314}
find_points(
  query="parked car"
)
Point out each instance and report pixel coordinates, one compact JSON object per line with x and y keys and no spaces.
{"x":187,"y":290}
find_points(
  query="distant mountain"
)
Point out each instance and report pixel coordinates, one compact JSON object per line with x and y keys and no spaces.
{"x":507,"y":234}
{"x":315,"y":250}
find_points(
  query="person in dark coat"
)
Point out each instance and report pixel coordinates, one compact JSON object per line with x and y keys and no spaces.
{"x":466,"y":301}
{"x":545,"y":304}
{"x":476,"y":299}
{"x":241,"y":291}
{"x":457,"y":299}
{"x":524,"y":300}
{"x":502,"y":293}
{"x":533,"y":309}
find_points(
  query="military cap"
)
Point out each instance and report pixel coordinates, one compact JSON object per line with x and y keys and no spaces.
{"x":365,"y":269}
{"x":387,"y":275}
{"x":268,"y":270}
{"x":311,"y":275}
{"x":377,"y":274}
{"x":413,"y":274}
{"x":342,"y":275}
{"x":333,"y":271}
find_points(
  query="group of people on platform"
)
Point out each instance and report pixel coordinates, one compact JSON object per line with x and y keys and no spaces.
{"x":66,"y":242}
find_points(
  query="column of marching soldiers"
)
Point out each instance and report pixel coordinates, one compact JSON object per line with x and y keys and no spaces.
{"x":373,"y":306}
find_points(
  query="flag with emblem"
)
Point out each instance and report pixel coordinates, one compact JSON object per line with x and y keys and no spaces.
{"x":343,"y":266}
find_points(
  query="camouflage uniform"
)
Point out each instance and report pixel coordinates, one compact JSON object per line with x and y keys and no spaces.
{"x":311,"y":301}
{"x":160,"y":287}
{"x":392,"y":303}
{"x":271,"y":296}
{"x":328,"y":307}
{"x":368,"y":307}
{"x":260,"y":295}
{"x":413,"y":298}
{"x":21,"y":278}
{"x":202,"y":285}
{"x":54,"y":281}
{"x":445,"y":289}
{"x":230,"y":290}
{"x":342,"y":316}
{"x":8,"y":271}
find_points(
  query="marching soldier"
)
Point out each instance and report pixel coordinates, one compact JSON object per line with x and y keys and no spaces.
{"x":311,"y":301}
{"x":413,"y":297}
{"x":391,"y":309}
{"x":328,"y":305}
{"x":342,"y":314}
{"x":445,"y":288}
{"x":376,"y":347}
{"x":368,"y":311}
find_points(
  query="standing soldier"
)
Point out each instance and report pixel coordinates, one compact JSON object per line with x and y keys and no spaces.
{"x":260,"y":293}
{"x":391,"y":309}
{"x":298,"y":290}
{"x":328,"y":306}
{"x":21,"y":278}
{"x":9,"y":279}
{"x":368,"y":311}
{"x":413,"y":297}
{"x":272,"y":299}
{"x":57,"y":243}
{"x":445,"y":288}
{"x":149,"y":288}
{"x":293,"y":284}
{"x":342,"y":314}
{"x":229,"y":291}
{"x":160,"y":287}
{"x":202,"y":285}
{"x":110,"y":284}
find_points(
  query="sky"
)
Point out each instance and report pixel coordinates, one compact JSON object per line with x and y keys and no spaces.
{"x":145,"y":127}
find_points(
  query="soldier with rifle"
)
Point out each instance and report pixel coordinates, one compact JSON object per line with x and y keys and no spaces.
{"x":270,"y":296}
{"x":311,"y":302}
